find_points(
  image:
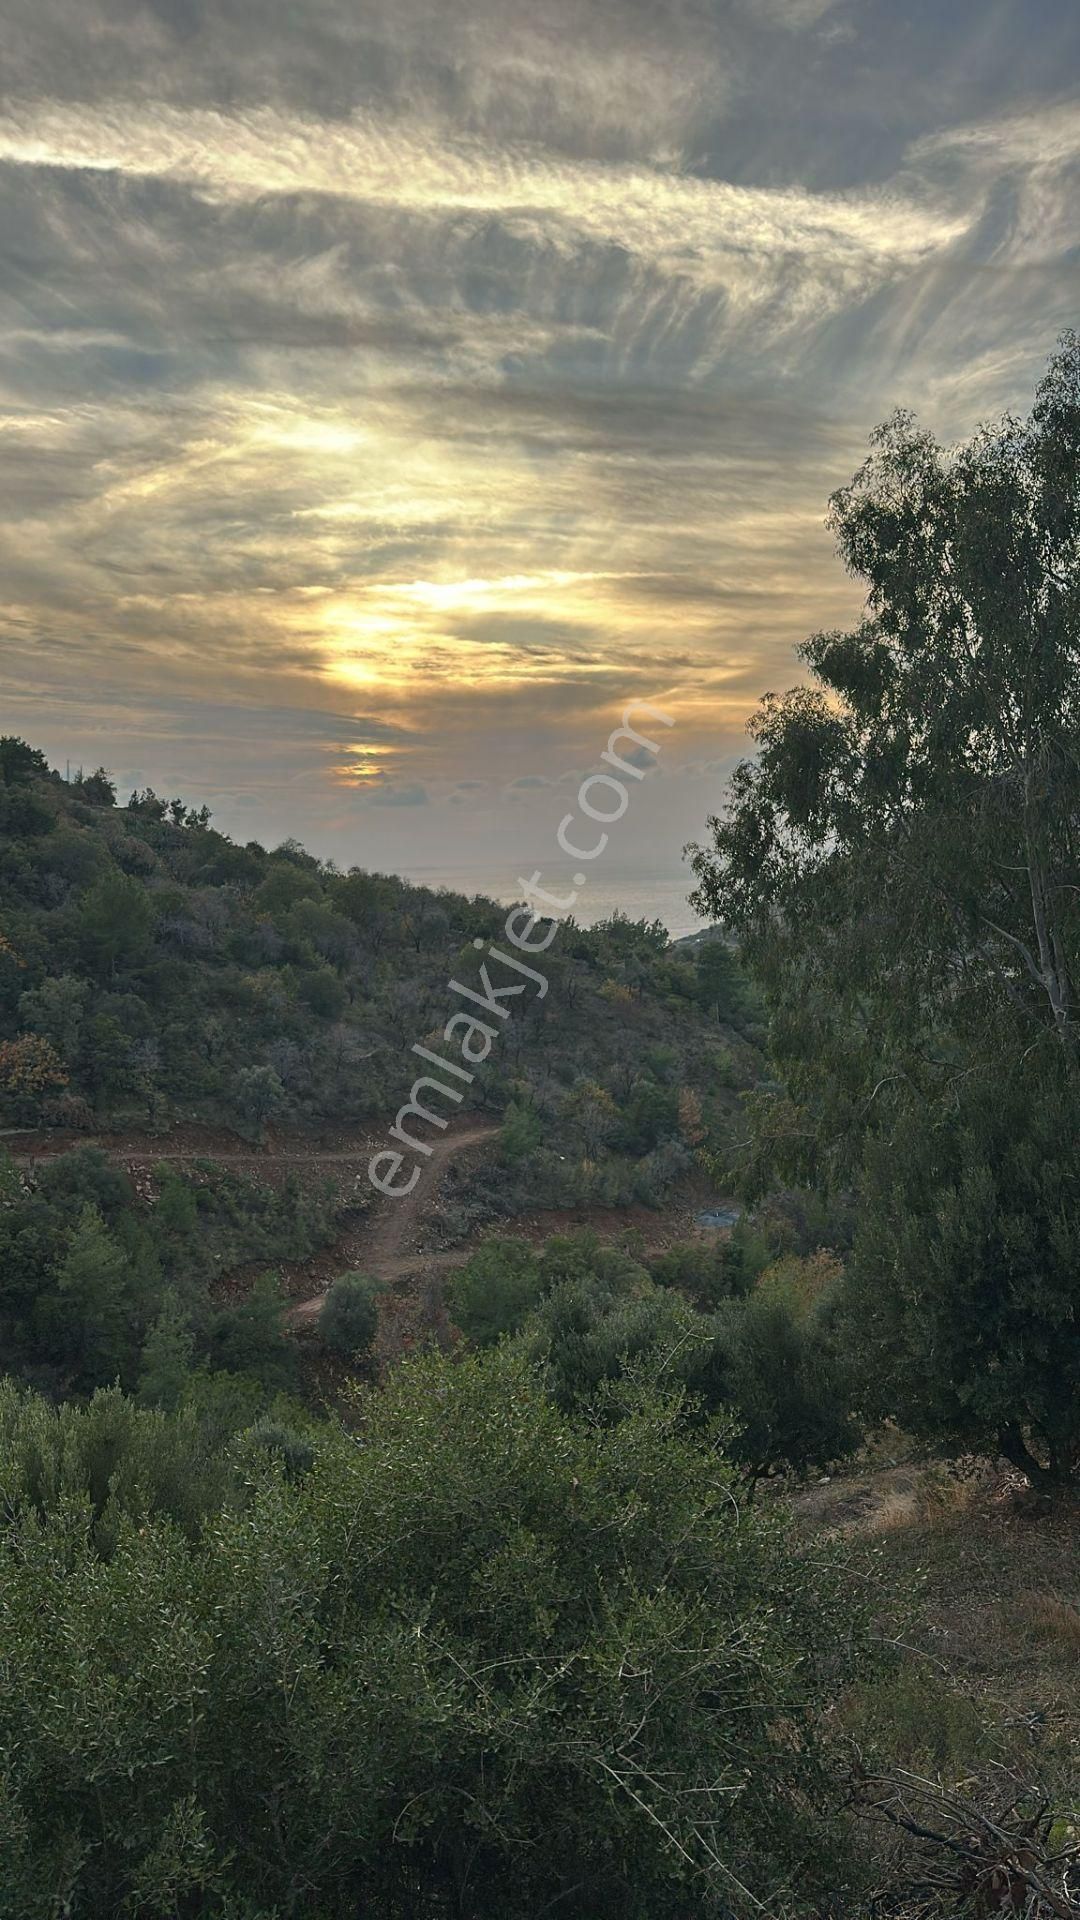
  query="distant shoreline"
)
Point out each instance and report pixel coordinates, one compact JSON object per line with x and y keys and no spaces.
{"x":639,"y":896}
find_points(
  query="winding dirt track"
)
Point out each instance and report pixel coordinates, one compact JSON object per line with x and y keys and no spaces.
{"x":384,"y":1243}
{"x":379,"y":1237}
{"x":380,"y":1240}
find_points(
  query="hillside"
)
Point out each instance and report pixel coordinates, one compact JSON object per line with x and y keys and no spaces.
{"x":474,"y":1502}
{"x":153,"y":972}
{"x":201,"y":1046}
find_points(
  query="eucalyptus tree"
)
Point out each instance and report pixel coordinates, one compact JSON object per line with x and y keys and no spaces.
{"x":900,"y":859}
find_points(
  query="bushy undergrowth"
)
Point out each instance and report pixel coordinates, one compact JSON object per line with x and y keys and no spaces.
{"x":476,"y":1656}
{"x":101,"y":1283}
{"x":757,"y":1343}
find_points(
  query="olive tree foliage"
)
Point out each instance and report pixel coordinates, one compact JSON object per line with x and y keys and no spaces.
{"x":493,"y":1660}
{"x":592,"y":1316}
{"x":900,"y":858}
{"x":963,"y":1287}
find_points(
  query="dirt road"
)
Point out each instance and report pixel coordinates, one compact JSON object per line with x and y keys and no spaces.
{"x":384,"y":1243}
{"x":183,"y":1144}
{"x":376,"y":1236}
{"x":379,"y":1239}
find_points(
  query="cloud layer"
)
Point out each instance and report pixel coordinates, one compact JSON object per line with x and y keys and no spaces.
{"x":388,"y":394}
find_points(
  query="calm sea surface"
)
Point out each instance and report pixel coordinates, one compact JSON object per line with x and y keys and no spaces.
{"x":648,"y":896}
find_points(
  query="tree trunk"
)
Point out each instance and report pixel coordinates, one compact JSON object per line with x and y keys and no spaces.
{"x":1014,"y":1448}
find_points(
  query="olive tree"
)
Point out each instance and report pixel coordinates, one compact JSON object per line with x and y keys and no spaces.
{"x":477,"y":1658}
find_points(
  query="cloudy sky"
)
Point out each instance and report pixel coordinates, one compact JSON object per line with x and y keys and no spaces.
{"x":390,"y":390}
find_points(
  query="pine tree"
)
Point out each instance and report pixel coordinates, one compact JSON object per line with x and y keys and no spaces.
{"x":93,"y":1285}
{"x":166,"y":1358}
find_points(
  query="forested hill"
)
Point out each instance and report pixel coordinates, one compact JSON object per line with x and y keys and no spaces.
{"x":153,"y":970}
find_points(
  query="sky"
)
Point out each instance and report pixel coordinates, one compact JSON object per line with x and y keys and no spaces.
{"x":392,"y":391}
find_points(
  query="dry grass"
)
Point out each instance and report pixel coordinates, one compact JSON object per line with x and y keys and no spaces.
{"x":975,"y":1589}
{"x":1054,"y":1621}
{"x":980,"y":1583}
{"x":893,"y":1511}
{"x":935,"y":1500}
{"x":886,"y":1500}
{"x":945,"y":1498}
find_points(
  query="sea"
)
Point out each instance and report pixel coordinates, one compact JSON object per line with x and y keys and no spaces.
{"x":640,"y":896}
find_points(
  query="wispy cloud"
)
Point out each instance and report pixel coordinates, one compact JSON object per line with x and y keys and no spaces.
{"x":383,"y":400}
{"x":708,"y":226}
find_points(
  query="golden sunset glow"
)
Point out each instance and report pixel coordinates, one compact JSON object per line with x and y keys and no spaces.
{"x":378,"y":443}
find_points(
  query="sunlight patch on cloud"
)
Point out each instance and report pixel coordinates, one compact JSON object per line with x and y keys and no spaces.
{"x":1045,"y":137}
{"x":477,"y":412}
{"x":711,"y":228}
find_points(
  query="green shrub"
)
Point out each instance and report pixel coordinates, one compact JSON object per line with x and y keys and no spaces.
{"x":493,"y":1660}
{"x":495,"y":1290}
{"x":775,"y":1363}
{"x":349,"y":1315}
{"x":520,"y":1133}
{"x":912,"y":1717}
{"x":251,"y":1338}
{"x":707,"y":1270}
{"x":102,"y":1468}
{"x":587,"y":1334}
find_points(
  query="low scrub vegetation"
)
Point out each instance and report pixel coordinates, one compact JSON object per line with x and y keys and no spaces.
{"x":477,"y":1654}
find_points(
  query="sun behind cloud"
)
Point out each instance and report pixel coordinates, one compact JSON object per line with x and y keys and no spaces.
{"x":474,"y":383}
